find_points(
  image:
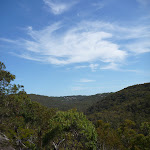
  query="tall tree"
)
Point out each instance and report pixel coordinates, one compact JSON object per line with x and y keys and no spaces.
{"x":5,"y":78}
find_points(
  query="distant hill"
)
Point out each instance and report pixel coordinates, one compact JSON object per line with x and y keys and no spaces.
{"x":80,"y":102}
{"x":130,"y":103}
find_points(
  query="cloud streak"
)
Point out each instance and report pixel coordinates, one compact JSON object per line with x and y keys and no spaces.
{"x":76,"y":45}
{"x":57,"y":7}
{"x":93,"y":67}
{"x":111,"y":66}
{"x":86,"y":42}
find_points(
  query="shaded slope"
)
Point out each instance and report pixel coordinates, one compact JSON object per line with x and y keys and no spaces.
{"x":130,"y":103}
{"x":81,"y":103}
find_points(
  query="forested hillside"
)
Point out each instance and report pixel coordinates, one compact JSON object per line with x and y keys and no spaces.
{"x":130,"y":103}
{"x":80,"y":102}
{"x":120,"y":120}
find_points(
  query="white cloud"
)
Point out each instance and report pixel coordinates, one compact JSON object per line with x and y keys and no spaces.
{"x":86,"y":42}
{"x":111,"y":66}
{"x":8,"y":40}
{"x":26,"y":56}
{"x":76,"y":45}
{"x":134,"y":38}
{"x":93,"y":67}
{"x":120,"y":32}
{"x":138,"y":47}
{"x":58,"y":7}
{"x":86,"y":80}
{"x":116,"y":67}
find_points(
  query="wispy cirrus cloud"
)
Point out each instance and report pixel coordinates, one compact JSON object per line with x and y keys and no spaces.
{"x":8,"y":40}
{"x":111,"y":66}
{"x":116,"y":67}
{"x":57,"y":7}
{"x":93,"y":67}
{"x":86,"y":42}
{"x":139,"y":47}
{"x":76,"y":45}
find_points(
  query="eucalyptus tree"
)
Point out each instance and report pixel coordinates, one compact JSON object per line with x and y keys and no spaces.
{"x":70,"y":130}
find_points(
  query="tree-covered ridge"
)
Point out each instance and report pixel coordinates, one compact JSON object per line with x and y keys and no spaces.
{"x":124,"y":115}
{"x":128,"y":95}
{"x":80,"y":102}
{"x":130,"y":103}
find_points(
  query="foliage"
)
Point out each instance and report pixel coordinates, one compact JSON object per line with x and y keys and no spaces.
{"x":73,"y":128}
{"x":107,"y":136}
{"x":5,"y":79}
{"x":130,"y":103}
{"x":21,"y":120}
{"x":132,"y":138}
{"x":64,"y":103}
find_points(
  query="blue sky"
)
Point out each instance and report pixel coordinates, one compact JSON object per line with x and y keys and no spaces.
{"x":76,"y":47}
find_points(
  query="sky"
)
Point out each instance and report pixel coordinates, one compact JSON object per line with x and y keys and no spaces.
{"x":75,"y":47}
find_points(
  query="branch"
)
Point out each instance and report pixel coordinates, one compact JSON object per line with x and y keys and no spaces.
{"x":57,"y":145}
